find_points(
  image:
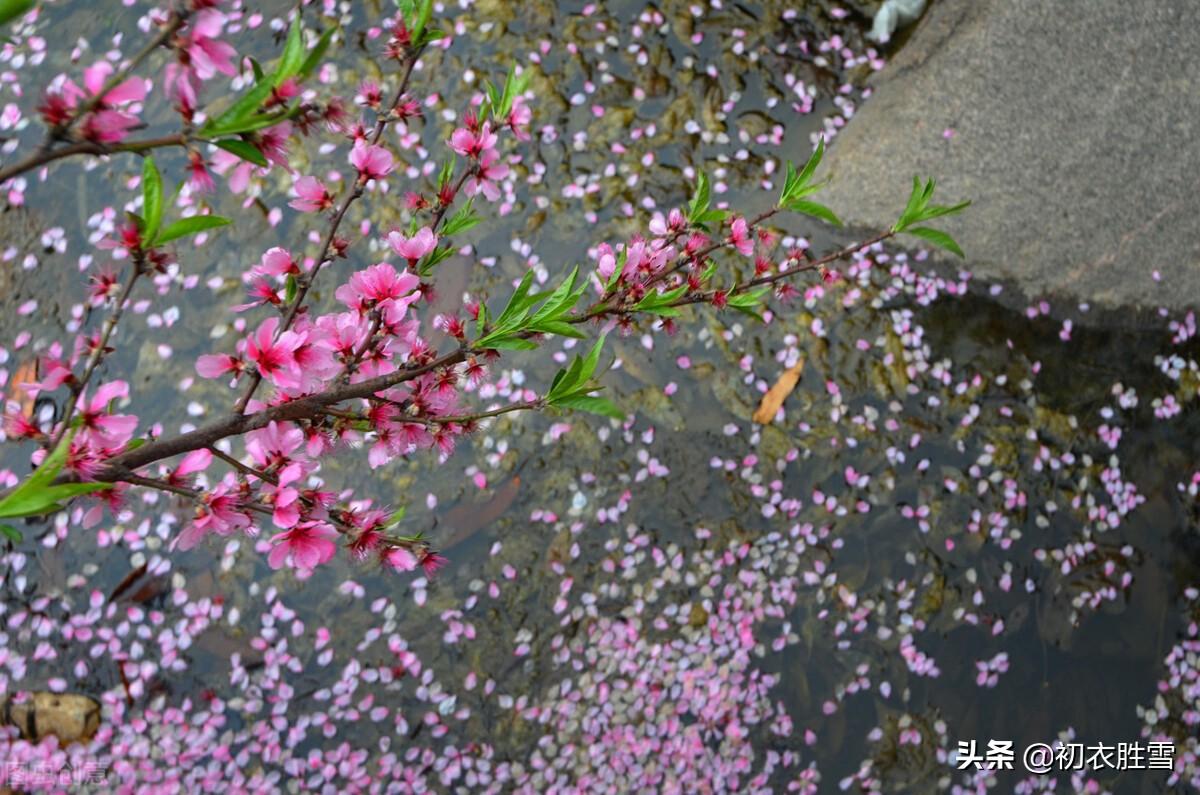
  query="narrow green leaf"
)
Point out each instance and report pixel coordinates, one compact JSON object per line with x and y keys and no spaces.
{"x":152,"y":200}
{"x":463,"y":220}
{"x":231,"y":120}
{"x":559,"y":327}
{"x":592,"y":404}
{"x":191,"y":226}
{"x":814,"y":209}
{"x":293,"y":54}
{"x":422,"y":19}
{"x":914,"y":201}
{"x":11,"y":9}
{"x":810,"y":167}
{"x":506,"y":342}
{"x":11,"y":533}
{"x":560,"y":301}
{"x":592,"y":359}
{"x":313,"y":60}
{"x":937,"y":237}
{"x":244,"y":150}
{"x":939,"y":211}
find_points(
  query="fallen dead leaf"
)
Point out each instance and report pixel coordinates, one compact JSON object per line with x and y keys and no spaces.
{"x":26,"y":373}
{"x":771,"y":402}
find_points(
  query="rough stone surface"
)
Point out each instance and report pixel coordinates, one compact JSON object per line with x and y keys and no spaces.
{"x":1076,"y":132}
{"x":69,"y":717}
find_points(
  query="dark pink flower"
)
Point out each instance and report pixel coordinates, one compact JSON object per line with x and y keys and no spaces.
{"x":275,"y":358}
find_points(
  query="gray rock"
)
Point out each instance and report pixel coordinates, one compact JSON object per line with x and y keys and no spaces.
{"x":1076,"y":131}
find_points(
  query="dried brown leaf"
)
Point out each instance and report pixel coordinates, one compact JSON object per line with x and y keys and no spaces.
{"x":773,"y":400}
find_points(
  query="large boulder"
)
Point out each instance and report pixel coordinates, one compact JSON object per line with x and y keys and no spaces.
{"x":1074,"y":127}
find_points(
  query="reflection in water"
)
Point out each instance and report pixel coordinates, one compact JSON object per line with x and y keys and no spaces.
{"x":965,"y":526}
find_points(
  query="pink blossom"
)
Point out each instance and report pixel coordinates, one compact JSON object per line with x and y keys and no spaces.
{"x":272,"y":142}
{"x":519,"y":118}
{"x":739,"y":235}
{"x":415,"y":247}
{"x":400,"y":559}
{"x":212,"y":365}
{"x":275,"y":357}
{"x":305,"y":546}
{"x":205,"y":55}
{"x":110,"y":431}
{"x":483,"y":179}
{"x":285,"y":498}
{"x":274,"y":444}
{"x":311,"y":195}
{"x":469,"y":144}
{"x":378,"y":284}
{"x":607,"y":264}
{"x":371,"y":161}
{"x":132,"y":89}
{"x":277,"y":262}
{"x":238,"y":171}
{"x":219,"y":512}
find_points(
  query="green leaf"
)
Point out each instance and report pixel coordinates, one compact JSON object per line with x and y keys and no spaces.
{"x":191,"y":226}
{"x":595,"y":405}
{"x":559,"y":327}
{"x":317,"y":53}
{"x":506,"y":342}
{"x":464,"y":219}
{"x":937,"y":237}
{"x":290,"y":288}
{"x":433,"y":258}
{"x":814,"y":160}
{"x":292,"y":59}
{"x":256,"y":67}
{"x":593,"y":359}
{"x":430,"y":35}
{"x":700,"y":199}
{"x":560,"y":301}
{"x":519,"y":303}
{"x":11,"y":9}
{"x":814,"y":209}
{"x":35,"y":495}
{"x":233,"y":119}
{"x":659,"y":303}
{"x":447,"y":172}
{"x":244,"y":150}
{"x":397,"y":516}
{"x":11,"y":533}
{"x":152,"y":200}
{"x":918,"y":209}
{"x":422,"y":19}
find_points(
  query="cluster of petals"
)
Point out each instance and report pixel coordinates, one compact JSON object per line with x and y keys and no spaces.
{"x":202,"y":56}
{"x":111,"y":119}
